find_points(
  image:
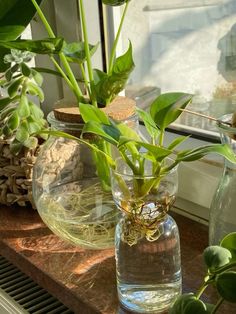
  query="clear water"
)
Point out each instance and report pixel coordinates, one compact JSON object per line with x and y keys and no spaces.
{"x":84,"y":217}
{"x":149,"y":273}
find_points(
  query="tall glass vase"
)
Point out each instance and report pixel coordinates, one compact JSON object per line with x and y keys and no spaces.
{"x":147,"y":249}
{"x":223,"y":207}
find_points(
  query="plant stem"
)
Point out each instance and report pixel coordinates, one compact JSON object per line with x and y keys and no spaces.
{"x":86,"y":47}
{"x":218,"y":304}
{"x":57,"y":66}
{"x":224,"y":268}
{"x":201,"y":290}
{"x":86,"y":83}
{"x":66,"y":65}
{"x":161,"y":138}
{"x":113,"y":51}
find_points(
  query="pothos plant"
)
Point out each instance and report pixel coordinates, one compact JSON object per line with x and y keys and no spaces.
{"x":135,"y":152}
{"x":220,"y":261}
{"x":20,"y":115}
{"x":100,"y":87}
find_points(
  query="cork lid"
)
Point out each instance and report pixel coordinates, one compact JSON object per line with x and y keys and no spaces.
{"x":120,"y":109}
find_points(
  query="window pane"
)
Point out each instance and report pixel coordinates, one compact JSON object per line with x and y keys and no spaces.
{"x":185,"y":45}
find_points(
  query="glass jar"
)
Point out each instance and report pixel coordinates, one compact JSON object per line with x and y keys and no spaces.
{"x":68,"y":194}
{"x":223,"y":207}
{"x":147,"y":247}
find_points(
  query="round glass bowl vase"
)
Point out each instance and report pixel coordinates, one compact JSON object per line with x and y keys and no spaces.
{"x":223,"y":207}
{"x":67,"y":192}
{"x":147,"y":246}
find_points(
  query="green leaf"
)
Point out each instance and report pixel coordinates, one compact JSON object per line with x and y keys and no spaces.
{"x":127,"y":132}
{"x":165,"y":109}
{"x":6,"y":131}
{"x":6,"y":111}
{"x":91,"y":113}
{"x":124,"y":64}
{"x":226,"y":286}
{"x":149,"y":123}
{"x":177,"y":142}
{"x":38,"y":78}
{"x":216,"y":256}
{"x":106,"y":87}
{"x":13,"y":121}
{"x":75,"y":52}
{"x":33,"y":126}
{"x":15,"y":15}
{"x":26,"y":71}
{"x":14,"y":87}
{"x":23,"y":108}
{"x":34,"y":89}
{"x":36,"y":112}
{"x":189,"y":304}
{"x":31,"y":142}
{"x":108,"y":132}
{"x":4,"y":102}
{"x":16,"y":147}
{"x":195,"y":154}
{"x":229,"y":242}
{"x":158,"y":152}
{"x":22,"y":133}
{"x":44,"y":46}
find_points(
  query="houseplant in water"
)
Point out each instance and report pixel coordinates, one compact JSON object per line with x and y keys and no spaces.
{"x":20,"y":118}
{"x":87,"y":224}
{"x":144,"y":184}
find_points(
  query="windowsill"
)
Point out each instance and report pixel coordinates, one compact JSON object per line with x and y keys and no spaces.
{"x":84,"y":280}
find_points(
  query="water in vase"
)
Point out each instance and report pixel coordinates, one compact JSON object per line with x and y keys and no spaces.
{"x":149,"y":272}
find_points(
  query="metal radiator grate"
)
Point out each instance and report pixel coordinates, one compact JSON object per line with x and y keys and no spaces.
{"x":19,"y":294}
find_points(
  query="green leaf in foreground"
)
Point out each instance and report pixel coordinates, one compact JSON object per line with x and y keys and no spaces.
{"x":229,"y":242}
{"x":107,"y":86}
{"x":195,"y":154}
{"x":165,"y":109}
{"x":226,"y":286}
{"x":107,"y":132}
{"x":91,"y":113}
{"x":44,"y":46}
{"x":216,"y":256}
{"x":23,"y":108}
{"x":149,"y":123}
{"x":75,"y":52}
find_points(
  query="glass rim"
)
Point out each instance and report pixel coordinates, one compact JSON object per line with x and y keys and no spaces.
{"x":148,"y":176}
{"x":76,"y":125}
{"x":225,"y":127}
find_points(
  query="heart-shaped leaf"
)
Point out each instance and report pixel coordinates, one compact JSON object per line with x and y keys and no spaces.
{"x":216,"y":256}
{"x":229,"y":242}
{"x":106,"y":87}
{"x":75,"y":52}
{"x":165,"y":109}
{"x":226,"y":285}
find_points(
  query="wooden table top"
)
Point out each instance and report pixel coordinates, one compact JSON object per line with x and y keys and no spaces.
{"x":84,"y":280}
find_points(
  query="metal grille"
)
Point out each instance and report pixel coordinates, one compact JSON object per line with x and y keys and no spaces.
{"x":20,"y":294}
